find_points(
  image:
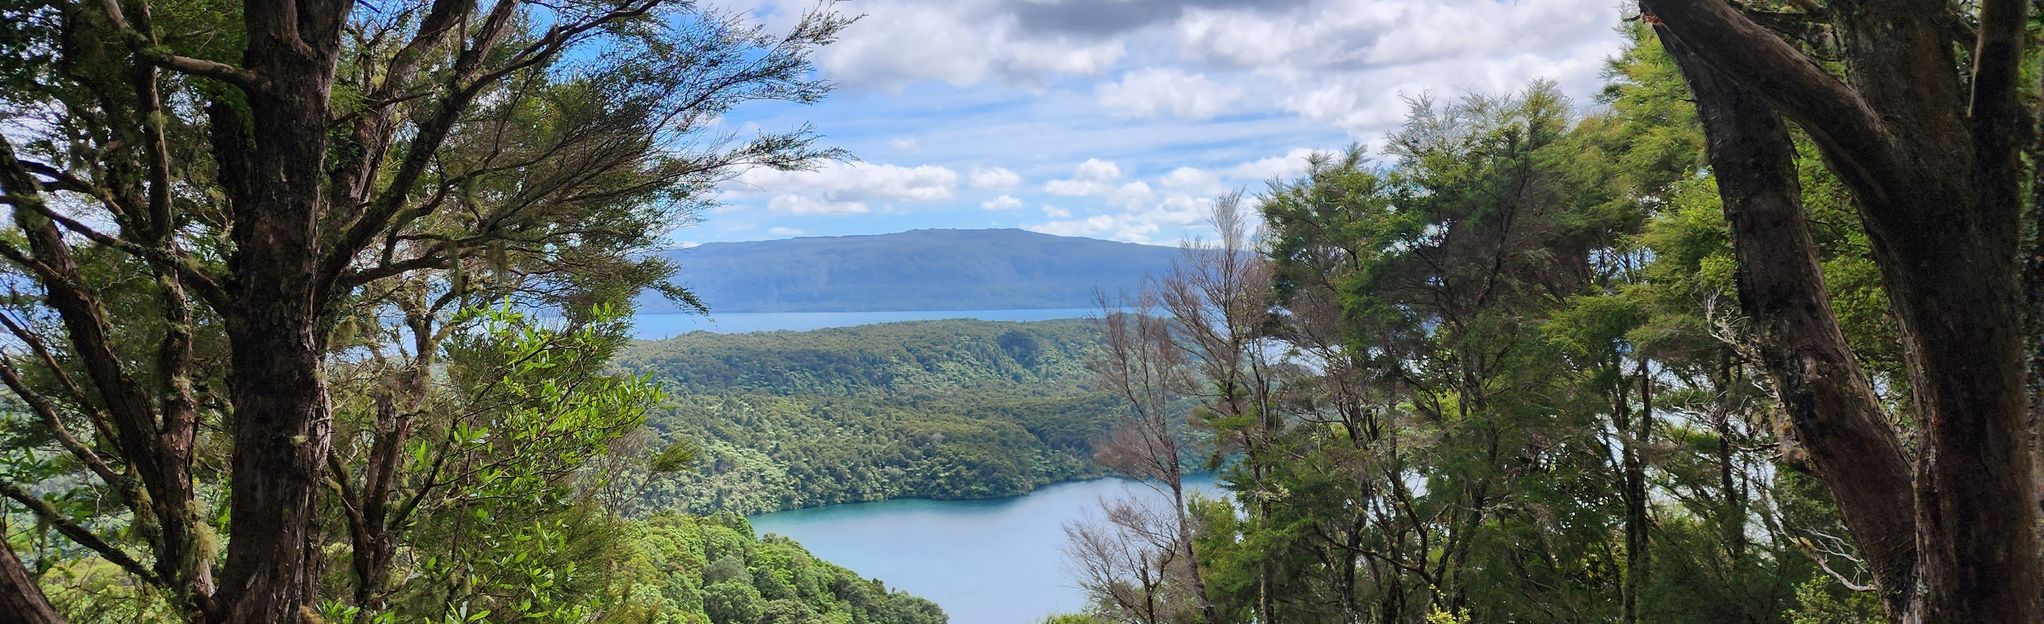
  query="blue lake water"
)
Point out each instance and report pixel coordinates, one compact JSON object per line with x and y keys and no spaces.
{"x":998,"y":561}
{"x":661,"y":326}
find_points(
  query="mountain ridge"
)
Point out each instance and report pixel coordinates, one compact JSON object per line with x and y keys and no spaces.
{"x":924,"y":269}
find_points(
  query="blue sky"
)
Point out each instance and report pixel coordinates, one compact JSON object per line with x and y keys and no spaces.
{"x":1122,"y":119}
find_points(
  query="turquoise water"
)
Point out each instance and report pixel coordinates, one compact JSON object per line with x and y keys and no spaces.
{"x":997,"y":561}
{"x":660,"y":326}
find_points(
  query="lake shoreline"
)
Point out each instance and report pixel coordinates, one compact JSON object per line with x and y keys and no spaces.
{"x":960,"y":499}
{"x":1203,"y":477}
{"x":658,"y":326}
{"x":987,"y":561}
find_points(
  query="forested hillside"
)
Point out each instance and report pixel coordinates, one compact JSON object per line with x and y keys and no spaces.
{"x":931,"y":409}
{"x":701,"y":570}
{"x":915,"y":270}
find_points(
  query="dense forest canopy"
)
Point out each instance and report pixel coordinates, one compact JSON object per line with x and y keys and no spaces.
{"x":931,"y":409}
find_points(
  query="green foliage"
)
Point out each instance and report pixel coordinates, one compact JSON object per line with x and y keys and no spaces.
{"x":661,"y":578}
{"x":936,"y":409}
{"x":733,"y":603}
{"x":912,"y":359}
{"x":1822,"y":602}
{"x":463,"y":170}
{"x":1525,"y":393}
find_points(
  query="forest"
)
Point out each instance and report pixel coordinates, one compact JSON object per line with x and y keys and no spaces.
{"x":1652,"y":363}
{"x":952,"y":409}
{"x":318,"y":311}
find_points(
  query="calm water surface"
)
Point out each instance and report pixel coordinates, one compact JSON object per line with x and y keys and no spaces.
{"x":662,"y":326}
{"x":995,"y":561}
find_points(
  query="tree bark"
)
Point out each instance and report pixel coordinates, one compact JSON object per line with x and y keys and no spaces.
{"x":1194,"y":576}
{"x":1634,"y":429}
{"x":1935,"y":172}
{"x":21,"y":600}
{"x":281,"y":422}
{"x":1828,"y":398}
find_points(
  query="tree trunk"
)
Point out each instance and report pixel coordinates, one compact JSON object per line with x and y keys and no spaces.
{"x":1934,"y":174}
{"x":281,"y":439}
{"x":280,"y":422}
{"x":21,"y":600}
{"x":1829,"y":400}
{"x":1198,"y":580}
{"x":1633,"y":430}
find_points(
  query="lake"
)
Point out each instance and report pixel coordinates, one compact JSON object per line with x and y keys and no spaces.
{"x":662,"y":326}
{"x":998,"y":561}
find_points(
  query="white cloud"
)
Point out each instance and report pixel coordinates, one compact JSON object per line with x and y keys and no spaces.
{"x":997,"y":178}
{"x":1004,"y":202}
{"x":1028,"y":58}
{"x":689,"y":244}
{"x":1096,"y":224}
{"x":1345,"y":63}
{"x":961,"y":42}
{"x":1156,"y":92}
{"x":848,"y":188}
{"x":1291,"y":165}
{"x":804,"y":204}
{"x":1132,"y":194}
{"x":1225,"y":86}
{"x":1093,"y":177}
{"x":1352,"y":63}
{"x":1121,"y":228}
{"x":1180,"y":201}
{"x":1192,"y":180}
{"x":784,"y":231}
{"x":859,"y":180}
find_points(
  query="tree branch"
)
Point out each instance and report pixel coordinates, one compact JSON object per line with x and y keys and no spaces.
{"x":77,"y":533}
{"x":78,"y":396}
{"x":143,"y":44}
{"x":51,"y":420}
{"x":203,"y":281}
{"x":389,"y":208}
{"x":1747,"y":53}
{"x":2000,"y":120}
{"x":223,"y":72}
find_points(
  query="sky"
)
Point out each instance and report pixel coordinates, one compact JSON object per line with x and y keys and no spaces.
{"x":1123,"y":119}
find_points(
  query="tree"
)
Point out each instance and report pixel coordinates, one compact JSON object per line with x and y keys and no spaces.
{"x":1193,"y":334}
{"x":204,"y":193}
{"x":1143,"y":364}
{"x":1933,"y":157}
{"x":1218,"y":300}
{"x":1130,"y":562}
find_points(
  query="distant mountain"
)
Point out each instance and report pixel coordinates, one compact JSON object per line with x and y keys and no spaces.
{"x":914,"y":270}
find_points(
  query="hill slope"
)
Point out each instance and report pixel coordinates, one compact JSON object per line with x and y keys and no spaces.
{"x":929,"y":409}
{"x":914,"y":270}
